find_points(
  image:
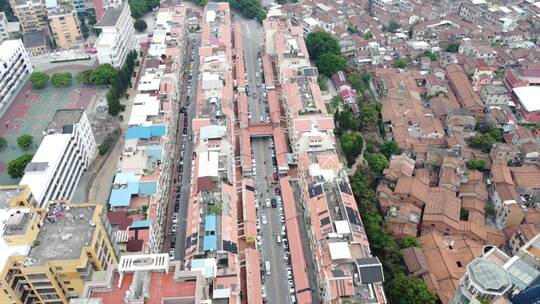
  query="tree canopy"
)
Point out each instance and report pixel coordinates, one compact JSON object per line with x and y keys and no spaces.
{"x":16,"y":166}
{"x":25,"y":141}
{"x":329,"y":63}
{"x":351,"y":144}
{"x":401,"y":63}
{"x":249,"y":8}
{"x":3,"y":143}
{"x":85,"y":77}
{"x":476,"y":164}
{"x":103,"y":74}
{"x":345,"y":120}
{"x":452,"y":47}
{"x":39,"y":80}
{"x":320,"y":42}
{"x":486,"y":140}
{"x":140,"y":25}
{"x":405,"y":290}
{"x":141,"y":7}
{"x":377,"y":162}
{"x":388,"y":148}
{"x":409,"y":241}
{"x":62,"y":79}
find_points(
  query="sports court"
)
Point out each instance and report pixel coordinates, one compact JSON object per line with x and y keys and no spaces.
{"x":32,"y":109}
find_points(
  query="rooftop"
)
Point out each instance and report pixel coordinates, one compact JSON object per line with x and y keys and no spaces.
{"x":489,"y":275}
{"x":111,"y":16}
{"x":34,"y":39}
{"x":6,"y":194}
{"x":63,"y":121}
{"x":65,"y":232}
{"x":528,"y":97}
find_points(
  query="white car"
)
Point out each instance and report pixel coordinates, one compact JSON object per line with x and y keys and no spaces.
{"x":263,"y":219}
{"x":171,"y":254}
{"x":175,"y":218}
{"x":259,"y":240}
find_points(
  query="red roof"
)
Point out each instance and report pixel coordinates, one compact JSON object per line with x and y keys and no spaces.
{"x":120,"y":219}
{"x":134,"y":245}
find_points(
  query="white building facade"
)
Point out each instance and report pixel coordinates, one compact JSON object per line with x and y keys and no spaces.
{"x":14,"y":67}
{"x":117,"y":38}
{"x":67,"y":149}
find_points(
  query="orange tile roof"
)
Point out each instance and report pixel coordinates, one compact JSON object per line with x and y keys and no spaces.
{"x":526,"y":176}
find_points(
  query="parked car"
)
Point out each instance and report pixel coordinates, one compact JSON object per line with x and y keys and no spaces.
{"x":278,"y":191}
{"x":263,"y":219}
{"x":276,"y":176}
{"x":274,"y":203}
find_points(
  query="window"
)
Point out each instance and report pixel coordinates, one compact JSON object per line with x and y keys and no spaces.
{"x":459,"y":264}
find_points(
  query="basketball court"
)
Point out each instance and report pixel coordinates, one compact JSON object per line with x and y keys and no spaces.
{"x":32,"y":109}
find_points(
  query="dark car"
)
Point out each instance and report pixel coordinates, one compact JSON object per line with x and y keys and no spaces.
{"x":176,"y":207}
{"x":276,"y":177}
{"x":185,"y":131}
{"x":274,"y":203}
{"x":278,"y":191}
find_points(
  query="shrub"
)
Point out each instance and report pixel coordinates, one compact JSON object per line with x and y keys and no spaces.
{"x":39,"y":80}
{"x":25,"y":141}
{"x":17,"y":166}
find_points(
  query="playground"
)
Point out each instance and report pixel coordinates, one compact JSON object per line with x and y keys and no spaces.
{"x":31,"y":111}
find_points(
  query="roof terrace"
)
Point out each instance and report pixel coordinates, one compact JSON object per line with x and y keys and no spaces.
{"x":65,"y":232}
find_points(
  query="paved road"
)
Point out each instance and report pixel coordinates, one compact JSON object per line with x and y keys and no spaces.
{"x":276,"y":284}
{"x":187,"y":157}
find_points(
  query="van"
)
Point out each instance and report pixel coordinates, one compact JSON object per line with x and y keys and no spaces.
{"x":261,"y":119}
{"x":278,"y":239}
{"x":267,"y":267}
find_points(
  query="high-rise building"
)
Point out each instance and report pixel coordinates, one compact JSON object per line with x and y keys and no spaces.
{"x":63,"y":23}
{"x":7,"y":29}
{"x":32,"y":14}
{"x":64,"y":153}
{"x":49,"y":254}
{"x":117,"y":36}
{"x":14,"y":67}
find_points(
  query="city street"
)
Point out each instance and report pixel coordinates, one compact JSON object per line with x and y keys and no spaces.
{"x":185,"y":160}
{"x":276,"y":284}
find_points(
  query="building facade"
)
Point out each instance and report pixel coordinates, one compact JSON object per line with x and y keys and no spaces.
{"x":31,"y":14}
{"x":117,"y":38}
{"x":14,"y":68}
{"x":64,"y":153}
{"x":53,"y":252}
{"x":7,"y":29}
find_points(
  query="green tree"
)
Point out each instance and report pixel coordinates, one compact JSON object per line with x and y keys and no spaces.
{"x":140,"y":25}
{"x":39,"y":80}
{"x":392,"y":27}
{"x":401,"y":63}
{"x":355,"y":81}
{"x":351,"y":145}
{"x":368,"y":36}
{"x":452,"y":47}
{"x":202,"y":2}
{"x":388,"y":148}
{"x":329,"y":63}
{"x":409,"y":241}
{"x":433,"y":56}
{"x":377,"y":162}
{"x":323,"y":85}
{"x":85,"y":77}
{"x":345,"y":120}
{"x":84,"y":28}
{"x":249,"y":8}
{"x":476,"y":164}
{"x":103,"y":74}
{"x":320,"y":42}
{"x":16,"y":166}
{"x":352,"y":29}
{"x":3,"y":143}
{"x":25,"y":141}
{"x":405,"y":290}
{"x":62,"y":79}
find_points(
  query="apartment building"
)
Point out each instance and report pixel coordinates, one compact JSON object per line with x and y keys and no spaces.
{"x":7,"y":29}
{"x":143,"y":177}
{"x":495,"y":277}
{"x":160,"y":281}
{"x":67,"y":149}
{"x":31,"y":14}
{"x":63,"y":23}
{"x":51,"y":253}
{"x":346,"y":270}
{"x":212,"y":242}
{"x":117,"y":36}
{"x":15,"y":67}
